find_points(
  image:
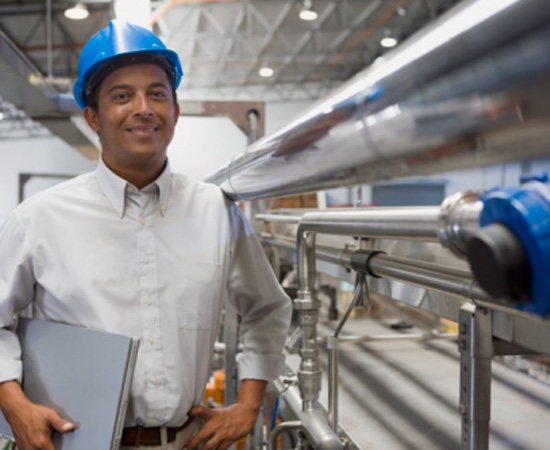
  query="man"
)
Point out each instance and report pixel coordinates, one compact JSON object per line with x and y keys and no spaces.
{"x":134,"y":249}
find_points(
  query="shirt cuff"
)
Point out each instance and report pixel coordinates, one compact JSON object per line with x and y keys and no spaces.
{"x":260,"y":367}
{"x":10,"y":370}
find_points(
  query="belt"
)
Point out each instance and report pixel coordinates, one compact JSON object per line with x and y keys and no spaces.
{"x":148,"y":436}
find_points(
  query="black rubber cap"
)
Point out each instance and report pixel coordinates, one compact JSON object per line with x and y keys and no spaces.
{"x":499,"y":263}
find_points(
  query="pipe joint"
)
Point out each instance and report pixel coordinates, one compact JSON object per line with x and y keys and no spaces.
{"x":360,"y":261}
{"x":310,"y":358}
{"x":306,"y":300}
{"x":308,"y":317}
{"x":458,"y":220}
{"x":309,"y":383}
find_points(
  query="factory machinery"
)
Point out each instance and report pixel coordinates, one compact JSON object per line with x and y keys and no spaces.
{"x":470,"y":89}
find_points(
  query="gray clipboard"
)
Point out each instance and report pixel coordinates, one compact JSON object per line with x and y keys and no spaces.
{"x":85,"y":375}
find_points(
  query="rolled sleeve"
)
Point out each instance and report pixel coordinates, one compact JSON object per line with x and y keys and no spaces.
{"x":264,"y":307}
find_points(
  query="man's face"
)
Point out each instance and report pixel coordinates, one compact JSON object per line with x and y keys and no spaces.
{"x":135,"y":118}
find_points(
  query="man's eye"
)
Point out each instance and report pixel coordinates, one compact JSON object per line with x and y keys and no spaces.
{"x":158,"y":95}
{"x":120,"y":97}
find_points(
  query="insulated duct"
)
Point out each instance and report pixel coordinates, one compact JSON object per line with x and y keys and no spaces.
{"x":464,"y":91}
{"x":26,"y":88}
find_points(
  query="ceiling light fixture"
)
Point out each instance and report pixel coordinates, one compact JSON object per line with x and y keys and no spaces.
{"x":388,"y":40}
{"x":307,"y":12}
{"x":77,"y":12}
{"x":266,"y":72}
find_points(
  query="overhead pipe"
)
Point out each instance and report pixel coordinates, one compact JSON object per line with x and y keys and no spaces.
{"x":446,"y":83}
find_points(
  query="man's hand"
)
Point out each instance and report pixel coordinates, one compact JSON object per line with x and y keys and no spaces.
{"x":226,"y":425}
{"x":32,"y":424}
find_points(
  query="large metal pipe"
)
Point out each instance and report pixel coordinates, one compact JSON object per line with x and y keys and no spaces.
{"x":448,"y":83}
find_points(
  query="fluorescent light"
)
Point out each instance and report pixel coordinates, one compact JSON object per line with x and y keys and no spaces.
{"x":137,"y":12}
{"x":307,"y":12}
{"x":266,"y":72}
{"x":388,"y":42}
{"x":77,"y":12}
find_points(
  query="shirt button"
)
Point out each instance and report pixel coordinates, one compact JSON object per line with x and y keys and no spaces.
{"x":154,"y":422}
{"x":143,"y":222}
{"x":146,"y":260}
{"x":155,"y":381}
{"x":149,"y":301}
{"x":151,"y":340}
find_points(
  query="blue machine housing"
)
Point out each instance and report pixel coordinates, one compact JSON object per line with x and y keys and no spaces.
{"x":525,"y":211}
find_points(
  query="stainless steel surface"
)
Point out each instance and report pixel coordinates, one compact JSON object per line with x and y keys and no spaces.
{"x":476,"y":352}
{"x":282,"y":427}
{"x":283,"y":218}
{"x":314,"y":422}
{"x":431,"y":276}
{"x":404,"y":394}
{"x":459,"y":220}
{"x":332,"y":350}
{"x":452,"y":224}
{"x":397,"y":223}
{"x":353,"y":339}
{"x":307,"y":307}
{"x":431,"y":102}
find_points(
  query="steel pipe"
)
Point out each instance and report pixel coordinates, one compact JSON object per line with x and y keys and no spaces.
{"x":412,"y":223}
{"x":452,"y":224}
{"x":284,"y":426}
{"x":446,"y":280}
{"x":425,"y":101}
{"x":307,"y":309}
{"x":314,"y":422}
{"x":437,"y":277}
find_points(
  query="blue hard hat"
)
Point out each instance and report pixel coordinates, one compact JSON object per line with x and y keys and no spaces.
{"x":125,"y":42}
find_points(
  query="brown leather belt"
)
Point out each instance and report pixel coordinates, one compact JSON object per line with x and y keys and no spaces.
{"x":148,"y":436}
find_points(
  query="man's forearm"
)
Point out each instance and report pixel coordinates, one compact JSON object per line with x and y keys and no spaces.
{"x":12,"y":397}
{"x":251,"y":393}
{"x":32,"y":424}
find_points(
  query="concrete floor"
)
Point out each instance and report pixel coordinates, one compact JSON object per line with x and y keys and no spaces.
{"x":404,"y":395}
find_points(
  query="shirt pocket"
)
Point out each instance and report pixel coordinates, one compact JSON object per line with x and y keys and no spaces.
{"x":199,"y":295}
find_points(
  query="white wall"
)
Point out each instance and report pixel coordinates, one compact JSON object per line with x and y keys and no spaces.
{"x":201,"y":145}
{"x":45,"y":155}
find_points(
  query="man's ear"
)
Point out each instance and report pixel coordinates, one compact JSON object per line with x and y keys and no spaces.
{"x":176,"y":112}
{"x":90,"y":115}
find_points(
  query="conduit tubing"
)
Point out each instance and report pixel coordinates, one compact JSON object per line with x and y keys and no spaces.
{"x":447,"y":82}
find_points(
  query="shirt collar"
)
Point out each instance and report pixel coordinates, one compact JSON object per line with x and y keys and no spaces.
{"x":114,"y":187}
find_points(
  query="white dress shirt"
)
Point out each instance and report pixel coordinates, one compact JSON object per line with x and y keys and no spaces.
{"x":157,"y":264}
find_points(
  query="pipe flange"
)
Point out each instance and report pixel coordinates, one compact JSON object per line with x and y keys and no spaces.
{"x":449,"y":218}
